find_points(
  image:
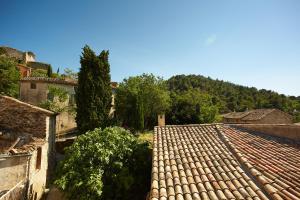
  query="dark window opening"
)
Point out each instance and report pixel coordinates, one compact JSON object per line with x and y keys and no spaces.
{"x":38,"y":158}
{"x":32,"y":86}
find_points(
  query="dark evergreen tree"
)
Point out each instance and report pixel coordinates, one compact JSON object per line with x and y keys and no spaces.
{"x":49,"y":71}
{"x":93,"y":95}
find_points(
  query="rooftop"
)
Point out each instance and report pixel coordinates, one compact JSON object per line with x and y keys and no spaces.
{"x":12,"y":143}
{"x":214,"y":162}
{"x":251,"y":115}
{"x":49,"y":80}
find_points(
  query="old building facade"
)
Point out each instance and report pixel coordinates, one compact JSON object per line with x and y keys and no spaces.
{"x":258,"y":116}
{"x":35,"y":90}
{"x":27,"y":149}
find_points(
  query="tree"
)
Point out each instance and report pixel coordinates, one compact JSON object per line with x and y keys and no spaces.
{"x":93,"y":95}
{"x":9,"y":77}
{"x":39,"y":73}
{"x":49,"y":71}
{"x":192,"y":107}
{"x":69,"y":73}
{"x":140,"y":99}
{"x":109,"y":164}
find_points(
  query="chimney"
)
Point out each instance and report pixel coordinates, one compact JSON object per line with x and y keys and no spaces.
{"x":161,"y":120}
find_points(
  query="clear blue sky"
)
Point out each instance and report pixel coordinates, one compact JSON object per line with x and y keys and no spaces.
{"x":248,"y":42}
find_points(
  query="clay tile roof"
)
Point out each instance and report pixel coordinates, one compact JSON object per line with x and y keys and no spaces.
{"x":250,"y":115}
{"x":276,"y":161}
{"x":220,"y":162}
{"x":36,"y":108}
{"x":257,"y":114}
{"x":193,"y":162}
{"x":49,"y":80}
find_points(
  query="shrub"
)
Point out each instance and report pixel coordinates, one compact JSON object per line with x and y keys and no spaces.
{"x":105,"y":164}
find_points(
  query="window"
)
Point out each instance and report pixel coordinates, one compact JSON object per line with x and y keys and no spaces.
{"x":38,"y":158}
{"x":32,"y":86}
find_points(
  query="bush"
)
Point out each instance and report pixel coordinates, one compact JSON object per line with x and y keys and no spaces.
{"x":106,"y":164}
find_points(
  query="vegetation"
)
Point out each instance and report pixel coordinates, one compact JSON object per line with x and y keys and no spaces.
{"x":93,"y":95}
{"x":69,"y":73}
{"x":57,"y":100}
{"x":39,"y":73}
{"x":231,"y":97}
{"x":49,"y":71}
{"x":192,"y":107}
{"x":140,"y":99}
{"x":9,"y":77}
{"x":106,"y":164}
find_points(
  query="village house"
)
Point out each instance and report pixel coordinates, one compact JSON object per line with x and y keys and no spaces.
{"x":217,"y":161}
{"x":27,"y":149}
{"x":258,"y":116}
{"x":35,"y":90}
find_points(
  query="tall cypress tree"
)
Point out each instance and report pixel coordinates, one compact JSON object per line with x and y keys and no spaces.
{"x":93,"y":95}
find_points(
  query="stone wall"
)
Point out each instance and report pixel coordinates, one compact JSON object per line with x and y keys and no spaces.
{"x":285,"y":131}
{"x":20,"y":117}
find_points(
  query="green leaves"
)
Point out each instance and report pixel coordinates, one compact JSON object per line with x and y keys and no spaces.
{"x":102,"y":164}
{"x":9,"y":77}
{"x":140,"y":99}
{"x":93,"y":95}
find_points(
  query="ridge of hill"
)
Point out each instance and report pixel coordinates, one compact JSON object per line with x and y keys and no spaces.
{"x":232,"y":97}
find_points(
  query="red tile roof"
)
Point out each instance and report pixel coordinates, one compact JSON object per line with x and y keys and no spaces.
{"x":215,"y":162}
{"x":277,"y":159}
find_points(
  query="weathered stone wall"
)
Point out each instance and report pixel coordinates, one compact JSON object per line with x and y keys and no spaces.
{"x":22,"y":118}
{"x":286,"y":131}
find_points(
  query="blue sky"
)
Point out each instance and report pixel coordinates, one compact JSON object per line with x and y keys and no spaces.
{"x":248,"y":42}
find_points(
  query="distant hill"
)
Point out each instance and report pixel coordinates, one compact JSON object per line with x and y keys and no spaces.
{"x":232,"y":97}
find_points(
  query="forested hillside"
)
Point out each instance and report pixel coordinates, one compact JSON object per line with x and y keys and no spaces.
{"x":231,"y":97}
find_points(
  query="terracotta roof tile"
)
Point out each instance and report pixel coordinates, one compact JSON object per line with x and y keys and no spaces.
{"x":194,"y":162}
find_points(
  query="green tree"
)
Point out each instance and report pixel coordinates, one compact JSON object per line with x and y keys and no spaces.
{"x":39,"y":73}
{"x":192,"y":107}
{"x":69,"y":73}
{"x":109,"y":164}
{"x":140,"y":99}
{"x":9,"y":77}
{"x":49,"y":71}
{"x":93,"y":95}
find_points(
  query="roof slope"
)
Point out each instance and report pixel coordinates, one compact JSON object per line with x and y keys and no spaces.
{"x":251,"y":115}
{"x":192,"y":162}
{"x":219,"y":162}
{"x":277,"y":159}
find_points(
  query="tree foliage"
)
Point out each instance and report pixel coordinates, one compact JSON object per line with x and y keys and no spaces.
{"x":192,"y":107}
{"x":108,"y":164}
{"x":9,"y":77}
{"x":140,"y":99}
{"x":57,"y":100}
{"x":93,"y":95}
{"x":231,"y":97}
{"x":39,"y":73}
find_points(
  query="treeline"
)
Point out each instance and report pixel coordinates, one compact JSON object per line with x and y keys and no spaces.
{"x":230,"y":97}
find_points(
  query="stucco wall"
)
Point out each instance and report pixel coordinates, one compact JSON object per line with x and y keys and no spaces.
{"x":33,"y":96}
{"x":13,"y":169}
{"x":286,"y":131}
{"x":38,"y":177}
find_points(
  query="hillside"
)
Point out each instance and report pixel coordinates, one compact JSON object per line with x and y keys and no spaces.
{"x":232,"y":97}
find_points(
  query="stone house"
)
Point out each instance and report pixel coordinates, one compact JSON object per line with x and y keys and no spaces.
{"x":258,"y":116}
{"x":27,"y":149}
{"x":35,"y":90}
{"x":25,"y":71}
